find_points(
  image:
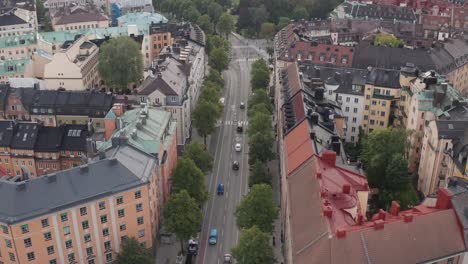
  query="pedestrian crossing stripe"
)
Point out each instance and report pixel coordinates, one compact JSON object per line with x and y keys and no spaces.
{"x":232,"y":123}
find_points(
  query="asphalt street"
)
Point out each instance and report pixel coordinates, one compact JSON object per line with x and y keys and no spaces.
{"x":219,"y":210}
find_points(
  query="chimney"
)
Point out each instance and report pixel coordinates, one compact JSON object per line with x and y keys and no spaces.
{"x":379,"y":224}
{"x":314,"y":118}
{"x":444,"y":199}
{"x":327,"y":211}
{"x":395,"y":208}
{"x":118,"y":109}
{"x":90,"y":147}
{"x":360,"y":219}
{"x":346,"y":188}
{"x":382,"y":214}
{"x":90,"y":126}
{"x":329,"y":157}
{"x":319,"y":174}
{"x":408,"y":218}
{"x":340,"y":233}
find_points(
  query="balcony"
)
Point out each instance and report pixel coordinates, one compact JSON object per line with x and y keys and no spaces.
{"x":383,"y":96}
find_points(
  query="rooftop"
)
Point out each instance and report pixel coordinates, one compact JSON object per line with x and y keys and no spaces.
{"x":55,"y":192}
{"x":384,"y":78}
{"x":10,"y":19}
{"x":18,"y":66}
{"x":142,"y":20}
{"x":24,"y":136}
{"x":366,"y":11}
{"x":80,"y":18}
{"x":18,"y":40}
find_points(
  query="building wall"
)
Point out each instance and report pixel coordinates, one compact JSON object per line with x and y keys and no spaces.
{"x":82,"y":25}
{"x":75,"y":221}
{"x":377,"y":107}
{"x":19,"y":29}
{"x":197,"y":73}
{"x":23,"y":159}
{"x":46,"y":120}
{"x":5,"y":160}
{"x":17,"y":52}
{"x":98,"y":123}
{"x":61,"y":72}
{"x":15,"y":109}
{"x":352,"y":107}
{"x":459,"y":79}
{"x":158,"y":41}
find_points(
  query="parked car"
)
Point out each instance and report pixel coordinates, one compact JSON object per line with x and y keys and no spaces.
{"x":220,"y":189}
{"x":242,"y":105}
{"x":238,"y":147}
{"x":235,"y":165}
{"x":227,"y":259}
{"x":213,"y":239}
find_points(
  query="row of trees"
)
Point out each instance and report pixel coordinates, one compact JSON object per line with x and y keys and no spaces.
{"x":384,"y":154}
{"x":259,"y":16}
{"x":257,"y":211}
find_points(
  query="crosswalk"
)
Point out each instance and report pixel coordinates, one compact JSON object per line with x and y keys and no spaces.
{"x":232,"y":123}
{"x":249,"y":59}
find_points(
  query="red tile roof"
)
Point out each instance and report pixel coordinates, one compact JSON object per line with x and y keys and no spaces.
{"x":321,"y":54}
{"x":295,"y":84}
{"x":323,"y":229}
{"x":298,"y":146}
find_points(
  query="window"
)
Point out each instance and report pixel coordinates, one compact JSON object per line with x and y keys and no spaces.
{"x":45,"y":222}
{"x":27,"y":242}
{"x":384,"y":103}
{"x":12,"y":257}
{"x":68,"y":244}
{"x":382,"y":113}
{"x":71,"y":257}
{"x":121,"y":212}
{"x":355,"y":110}
{"x":120,"y":200}
{"x":107,"y":245}
{"x":347,"y":109}
{"x":366,"y":107}
{"x":123,"y":227}
{"x":368,"y":96}
{"x":139,"y":207}
{"x":102,"y":205}
{"x":138,"y":194}
{"x":83,"y":211}
{"x":123,"y":238}
{"x":108,"y":257}
{"x":89,"y":251}
{"x":24,"y":229}
{"x":140,"y":220}
{"x":105,"y":232}
{"x":450,"y":261}
{"x":103,"y":219}
{"x":141,"y":233}
{"x":91,"y":261}
{"x":352,"y":138}
{"x":348,"y":99}
{"x":4,"y":229}
{"x":66,"y":230}
{"x":381,"y":123}
{"x":8,"y":243}
{"x":64,"y":217}
{"x":30,"y":256}
{"x":373,"y":112}
{"x":354,"y":119}
{"x":50,"y":250}
{"x":353,"y":129}
{"x":87,"y":238}
{"x":356,"y":100}
{"x":85,"y":224}
{"x":372,"y":122}
{"x":53,"y":261}
{"x":374,"y":102}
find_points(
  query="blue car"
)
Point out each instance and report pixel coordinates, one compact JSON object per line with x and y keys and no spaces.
{"x":220,"y":189}
{"x":213,"y":239}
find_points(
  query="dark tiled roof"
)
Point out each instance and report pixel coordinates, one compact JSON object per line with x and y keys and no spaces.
{"x":6,"y":133}
{"x":9,"y":19}
{"x":4,"y":90}
{"x":79,"y":18}
{"x":381,"y":12}
{"x":453,"y":129}
{"x":64,"y":189}
{"x":49,"y":139}
{"x":25,"y":135}
{"x":344,"y":77}
{"x":74,"y":137}
{"x":152,"y":84}
{"x":384,"y":78}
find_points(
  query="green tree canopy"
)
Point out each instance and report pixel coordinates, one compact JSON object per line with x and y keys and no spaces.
{"x":385,"y":39}
{"x":187,"y":176}
{"x":210,"y":93}
{"x":299,"y":13}
{"x":260,"y":75}
{"x":270,"y":50}
{"x":191,"y":14}
{"x":259,"y":123}
{"x":215,"y":11}
{"x":254,"y":247}
{"x":259,"y":174}
{"x":205,"y":116}
{"x":260,"y":147}
{"x":260,"y":97}
{"x":215,"y":77}
{"x":205,"y":23}
{"x":267,"y":30}
{"x":396,"y":172}
{"x":132,"y":252}
{"x":282,"y":23}
{"x":197,"y":152}
{"x":225,"y":24}
{"x":120,"y":62}
{"x":182,"y":216}
{"x":257,"y":209}
{"x":215,"y":41}
{"x":261,"y":108}
{"x":218,"y":59}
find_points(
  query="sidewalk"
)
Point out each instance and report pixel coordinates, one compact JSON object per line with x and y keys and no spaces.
{"x":275,"y":173}
{"x":167,"y":253}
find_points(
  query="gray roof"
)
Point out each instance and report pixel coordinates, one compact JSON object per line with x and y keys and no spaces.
{"x":9,"y":19}
{"x":55,"y":192}
{"x":384,"y":78}
{"x":453,"y":129}
{"x":344,"y":77}
{"x":170,"y":79}
{"x":79,"y":18}
{"x":459,"y":188}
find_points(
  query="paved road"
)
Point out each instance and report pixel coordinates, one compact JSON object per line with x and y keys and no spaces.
{"x":219,"y":211}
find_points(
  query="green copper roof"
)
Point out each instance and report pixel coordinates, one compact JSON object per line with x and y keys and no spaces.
{"x":13,"y":66}
{"x":16,"y":41}
{"x":92,"y":33}
{"x":146,"y":137}
{"x":426,"y":97}
{"x":142,"y":20}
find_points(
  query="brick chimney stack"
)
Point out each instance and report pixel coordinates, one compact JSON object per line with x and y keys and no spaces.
{"x":395,"y":208}
{"x":444,"y":199}
{"x":329,"y":157}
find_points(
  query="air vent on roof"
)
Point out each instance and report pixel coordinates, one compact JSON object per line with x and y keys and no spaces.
{"x":51,"y":177}
{"x":84,"y":168}
{"x":450,"y":126}
{"x":21,"y":186}
{"x":112,"y":161}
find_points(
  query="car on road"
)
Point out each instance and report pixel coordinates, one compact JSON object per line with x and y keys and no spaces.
{"x":227,"y":259}
{"x":213,"y":239}
{"x":220,"y":189}
{"x":235,"y":165}
{"x":240,"y":127}
{"x":242,"y":105}
{"x":221,"y":100}
{"x":238,"y":147}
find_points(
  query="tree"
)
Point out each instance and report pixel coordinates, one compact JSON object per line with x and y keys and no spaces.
{"x":267,"y":30}
{"x":40,"y":11}
{"x":215,"y":11}
{"x":259,"y":174}
{"x":259,"y":108}
{"x":260,"y":145}
{"x":385,"y":39}
{"x":197,"y":152}
{"x":210,"y":93}
{"x":120,"y":62}
{"x":257,"y":209}
{"x":218,"y":59}
{"x":191,"y":14}
{"x":187,"y":176}
{"x":205,"y":116}
{"x":254,"y":247}
{"x":215,"y":77}
{"x":205,"y":23}
{"x":282,"y":23}
{"x":259,"y":123}
{"x":396,"y":173}
{"x":225,"y":24}
{"x":132,"y":252}
{"x":260,"y":97}
{"x":260,"y":78}
{"x":215,"y":41}
{"x":300,"y":13}
{"x":182,"y":216}
{"x":271,"y":51}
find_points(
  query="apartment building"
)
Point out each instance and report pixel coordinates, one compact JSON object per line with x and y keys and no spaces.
{"x":57,"y":4}
{"x":17,"y":47}
{"x":381,"y":94}
{"x":81,"y":20}
{"x":80,"y":215}
{"x":74,"y":66}
{"x":13,"y":25}
{"x":160,"y":37}
{"x":19,"y":68}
